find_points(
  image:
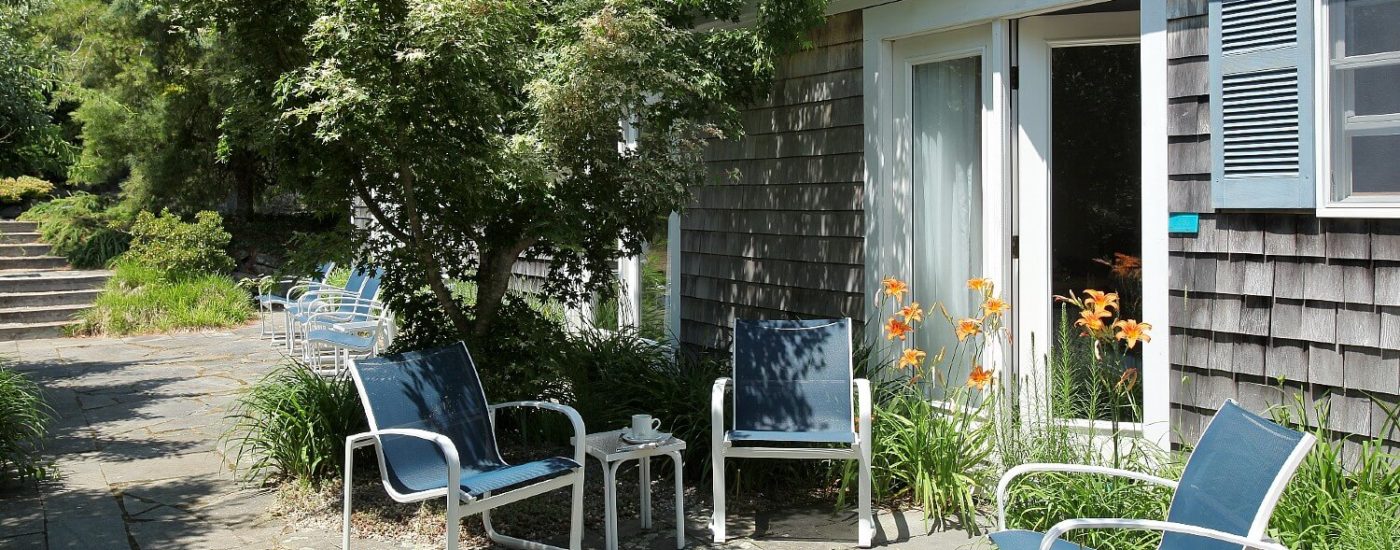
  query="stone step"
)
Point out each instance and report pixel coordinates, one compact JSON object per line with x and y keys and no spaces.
{"x":31,"y":331}
{"x":29,"y":237}
{"x":40,"y":314}
{"x":27,"y":250}
{"x":84,"y":297}
{"x":52,"y":281}
{"x":10,"y":226}
{"x":33,"y":263}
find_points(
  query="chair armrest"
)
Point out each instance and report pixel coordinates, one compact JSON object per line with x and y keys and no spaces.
{"x":574,"y":419}
{"x":1024,"y":469}
{"x":865,"y":407}
{"x":1054,"y":534}
{"x":722,"y":384}
{"x":449,"y":450}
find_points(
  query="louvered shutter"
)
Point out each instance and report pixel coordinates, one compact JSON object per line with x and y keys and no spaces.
{"x":1261,"y":89}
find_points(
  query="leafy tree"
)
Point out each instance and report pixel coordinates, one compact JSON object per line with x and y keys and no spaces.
{"x":478,"y":130}
{"x":30,"y":141}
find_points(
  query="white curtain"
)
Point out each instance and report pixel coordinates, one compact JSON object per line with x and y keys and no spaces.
{"x":947,"y":181}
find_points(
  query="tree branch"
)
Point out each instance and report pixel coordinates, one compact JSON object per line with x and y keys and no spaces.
{"x":379,"y":216}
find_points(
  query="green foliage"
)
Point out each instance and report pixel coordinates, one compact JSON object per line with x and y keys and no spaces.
{"x":177,"y":249}
{"x":609,"y":376}
{"x":1334,"y":501}
{"x":30,"y":141}
{"x":23,"y":420}
{"x":82,"y":228}
{"x":140,"y":299}
{"x":292,"y":424}
{"x":527,"y":157}
{"x":22,"y":189}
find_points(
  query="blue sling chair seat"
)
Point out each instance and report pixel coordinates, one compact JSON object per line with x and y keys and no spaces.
{"x":434,"y":435}
{"x":1223,"y":501}
{"x":793,"y":386}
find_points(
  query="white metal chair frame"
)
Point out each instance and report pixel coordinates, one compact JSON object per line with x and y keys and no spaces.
{"x":300,"y":287}
{"x":330,"y":312}
{"x":860,"y":450}
{"x":1255,"y":538}
{"x":378,"y":335}
{"x":462,"y":504}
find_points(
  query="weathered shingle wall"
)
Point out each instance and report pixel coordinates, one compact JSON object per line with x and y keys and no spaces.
{"x":778,"y":231}
{"x":1269,"y":305}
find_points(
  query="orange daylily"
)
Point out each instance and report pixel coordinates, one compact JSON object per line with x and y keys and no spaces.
{"x":912,"y":313}
{"x":1127,"y":267}
{"x":897,"y":329}
{"x":1092,"y":320}
{"x":979,"y":284}
{"x":1132,"y":331}
{"x":894,"y":288}
{"x":967,"y":327}
{"x":995,"y":306}
{"x":979,"y":378}
{"x":912,"y":357}
{"x":1101,"y":301}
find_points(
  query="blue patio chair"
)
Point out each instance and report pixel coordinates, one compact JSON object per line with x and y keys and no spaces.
{"x":434,"y":435}
{"x":1226,"y":495}
{"x":793,"y":386}
{"x":344,"y":307}
{"x":300,"y":287}
{"x":363,"y":336}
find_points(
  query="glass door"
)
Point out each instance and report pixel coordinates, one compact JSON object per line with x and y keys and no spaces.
{"x":947,"y":137}
{"x":1080,"y":213}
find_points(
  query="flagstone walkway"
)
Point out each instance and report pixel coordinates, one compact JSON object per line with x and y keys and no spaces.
{"x":137,"y":440}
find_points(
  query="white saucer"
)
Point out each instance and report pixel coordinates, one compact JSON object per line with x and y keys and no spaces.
{"x":628,"y":437}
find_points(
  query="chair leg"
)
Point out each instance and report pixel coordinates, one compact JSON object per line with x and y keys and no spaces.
{"x":866,"y":529}
{"x":576,"y":522}
{"x":717,"y":477}
{"x":454,"y":522}
{"x":345,"y":518}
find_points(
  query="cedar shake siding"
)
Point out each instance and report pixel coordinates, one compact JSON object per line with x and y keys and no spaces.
{"x":1266,"y":305}
{"x":778,"y":230}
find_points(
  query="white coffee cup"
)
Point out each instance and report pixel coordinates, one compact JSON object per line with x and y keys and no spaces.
{"x":643,"y":425}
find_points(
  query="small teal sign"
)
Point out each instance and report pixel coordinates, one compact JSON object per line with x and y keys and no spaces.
{"x":1188,"y":223}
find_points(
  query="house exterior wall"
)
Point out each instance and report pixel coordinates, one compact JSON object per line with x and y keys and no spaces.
{"x":778,"y":230}
{"x":1267,"y":305}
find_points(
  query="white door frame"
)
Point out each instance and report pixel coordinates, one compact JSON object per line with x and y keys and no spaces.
{"x":888,"y":229}
{"x":1036,"y":39}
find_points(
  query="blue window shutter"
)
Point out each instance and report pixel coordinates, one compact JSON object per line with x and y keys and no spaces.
{"x":1261,"y":88}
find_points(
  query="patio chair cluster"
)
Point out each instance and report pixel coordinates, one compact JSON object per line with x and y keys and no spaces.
{"x":794,"y":395}
{"x":329,"y":324}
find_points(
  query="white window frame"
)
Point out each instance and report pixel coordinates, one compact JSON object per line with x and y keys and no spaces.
{"x":1328,"y":204}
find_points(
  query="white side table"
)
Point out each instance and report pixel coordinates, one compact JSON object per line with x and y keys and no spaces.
{"x":611,"y":451}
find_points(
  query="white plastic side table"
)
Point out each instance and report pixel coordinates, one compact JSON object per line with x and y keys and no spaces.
{"x":612,"y":451}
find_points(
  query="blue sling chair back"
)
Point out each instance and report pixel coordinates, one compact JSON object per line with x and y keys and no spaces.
{"x":433,"y":433}
{"x":793,"y":385}
{"x":346,"y":307}
{"x":310,"y":302}
{"x":1223,"y":501}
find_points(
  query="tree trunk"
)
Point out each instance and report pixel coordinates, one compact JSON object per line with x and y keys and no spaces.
{"x":492,"y":282}
{"x":432,"y":270}
{"x":243,"y":169}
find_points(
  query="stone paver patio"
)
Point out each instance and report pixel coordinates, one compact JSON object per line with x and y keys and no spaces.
{"x":136,"y":437}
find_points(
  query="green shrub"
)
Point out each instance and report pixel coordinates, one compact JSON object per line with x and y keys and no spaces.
{"x":609,"y":376}
{"x":139,"y":299}
{"x":82,"y":228}
{"x":1330,"y":505}
{"x":179,"y":249}
{"x":24,"y":188}
{"x":292,"y":424}
{"x":23,"y":417}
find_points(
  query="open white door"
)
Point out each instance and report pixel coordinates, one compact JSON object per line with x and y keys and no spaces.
{"x":1079,"y":187}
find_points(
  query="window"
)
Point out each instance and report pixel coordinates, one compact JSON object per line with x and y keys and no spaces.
{"x":1361,"y":114}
